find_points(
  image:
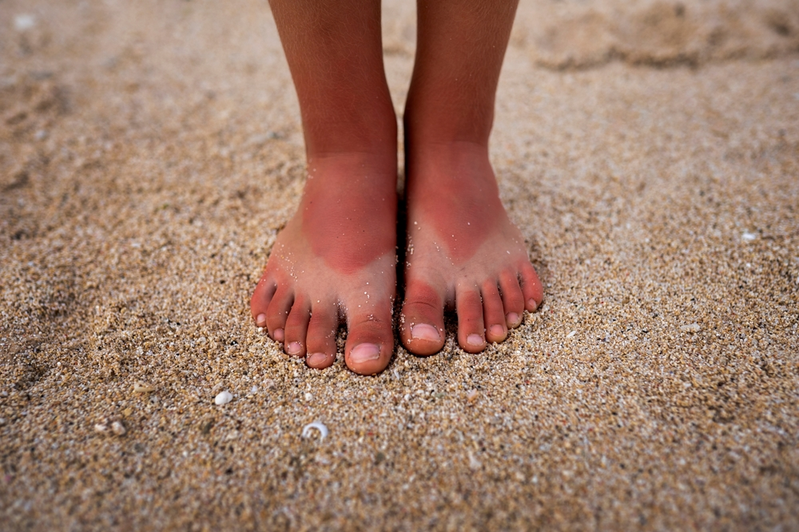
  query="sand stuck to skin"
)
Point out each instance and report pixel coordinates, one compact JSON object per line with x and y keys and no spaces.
{"x":649,"y":151}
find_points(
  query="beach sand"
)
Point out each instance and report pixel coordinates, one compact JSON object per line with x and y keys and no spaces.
{"x":649,"y":151}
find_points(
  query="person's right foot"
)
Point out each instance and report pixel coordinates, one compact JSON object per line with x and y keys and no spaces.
{"x":335,"y":259}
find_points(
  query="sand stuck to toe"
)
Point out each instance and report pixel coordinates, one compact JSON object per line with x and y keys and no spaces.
{"x":649,"y":151}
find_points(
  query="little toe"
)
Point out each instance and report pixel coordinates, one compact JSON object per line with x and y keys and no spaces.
{"x":321,"y":336}
{"x":512,"y":299}
{"x":422,"y":322}
{"x":531,"y":288}
{"x":259,"y":302}
{"x":471,"y":328}
{"x":297,"y":327}
{"x":277,"y":313}
{"x":493,"y":313}
{"x":370,"y":342}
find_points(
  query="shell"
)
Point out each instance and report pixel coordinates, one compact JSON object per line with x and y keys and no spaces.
{"x":318,"y":425}
{"x":141,"y":387}
{"x":223,"y":398}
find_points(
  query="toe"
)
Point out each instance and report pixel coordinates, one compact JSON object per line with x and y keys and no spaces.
{"x":471,"y":328}
{"x":277,"y":312}
{"x":493,"y":313}
{"x":321,"y":336}
{"x":261,"y":297}
{"x":512,"y":298}
{"x":531,"y":287}
{"x":370,"y":341}
{"x":422,"y":321}
{"x":297,"y":327}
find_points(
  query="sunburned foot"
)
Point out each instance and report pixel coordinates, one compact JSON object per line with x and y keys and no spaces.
{"x":462,"y":252}
{"x":335,"y":260}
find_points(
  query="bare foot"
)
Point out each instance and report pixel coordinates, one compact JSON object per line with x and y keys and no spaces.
{"x":462,"y":252}
{"x":335,"y":260}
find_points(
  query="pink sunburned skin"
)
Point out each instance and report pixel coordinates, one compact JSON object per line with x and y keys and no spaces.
{"x":461,"y":202}
{"x":343,"y":232}
{"x":464,"y":229}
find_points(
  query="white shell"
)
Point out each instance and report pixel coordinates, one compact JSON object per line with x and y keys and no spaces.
{"x":223,"y":398}
{"x":118,"y":428}
{"x":474,"y":463}
{"x":141,"y":387}
{"x":306,"y":430}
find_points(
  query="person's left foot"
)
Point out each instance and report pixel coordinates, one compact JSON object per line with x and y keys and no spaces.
{"x":462,"y":252}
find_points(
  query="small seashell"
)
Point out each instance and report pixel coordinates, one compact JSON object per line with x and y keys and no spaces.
{"x":318,"y":425}
{"x":223,"y":398}
{"x":101,"y":428}
{"x":571,"y":334}
{"x":472,"y":396}
{"x":308,"y":396}
{"x":141,"y":387}
{"x":691,"y":327}
{"x":748,"y":237}
{"x":474,"y":463}
{"x":118,"y":428}
{"x":24,"y":22}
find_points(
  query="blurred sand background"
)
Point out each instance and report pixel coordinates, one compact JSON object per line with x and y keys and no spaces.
{"x":649,"y":151}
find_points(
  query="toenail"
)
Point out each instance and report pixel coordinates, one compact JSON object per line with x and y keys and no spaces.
{"x":260,"y":320}
{"x":513,"y":318}
{"x":532,"y":304}
{"x":474,"y":339}
{"x":365,"y":353}
{"x":294,"y":348}
{"x":423,"y":331}
{"x":497,"y":330}
{"x":278,"y":335}
{"x":317,"y":359}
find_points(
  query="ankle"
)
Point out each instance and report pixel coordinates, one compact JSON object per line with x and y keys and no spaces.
{"x":373,"y":132}
{"x":426,"y":123}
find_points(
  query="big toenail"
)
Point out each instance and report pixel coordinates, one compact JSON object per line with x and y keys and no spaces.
{"x":294,"y":348}
{"x":497,"y":330}
{"x":317,"y":359}
{"x":260,"y":320}
{"x":513,"y":319}
{"x":278,"y":335}
{"x":423,"y":331}
{"x":532,"y":304}
{"x":474,"y":339}
{"x":364,"y":353}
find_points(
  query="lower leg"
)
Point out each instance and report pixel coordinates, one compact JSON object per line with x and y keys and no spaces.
{"x":463,"y":251}
{"x":336,"y":256}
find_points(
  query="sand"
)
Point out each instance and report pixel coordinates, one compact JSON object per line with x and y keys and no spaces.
{"x":649,"y":151}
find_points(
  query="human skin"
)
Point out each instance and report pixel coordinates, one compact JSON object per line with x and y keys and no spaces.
{"x":335,"y":260}
{"x":466,"y":253}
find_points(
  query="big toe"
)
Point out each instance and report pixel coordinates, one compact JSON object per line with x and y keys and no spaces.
{"x":422,"y":322}
{"x":370,"y":342}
